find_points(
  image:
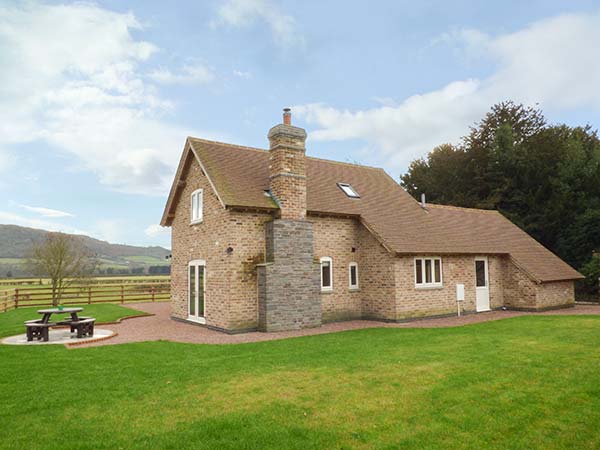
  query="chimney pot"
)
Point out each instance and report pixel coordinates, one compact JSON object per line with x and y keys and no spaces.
{"x":287,"y":116}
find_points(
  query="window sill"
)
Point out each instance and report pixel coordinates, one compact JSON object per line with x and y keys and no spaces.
{"x":429,"y":288}
{"x":354,"y":289}
{"x":326,"y":291}
{"x":196,"y":222}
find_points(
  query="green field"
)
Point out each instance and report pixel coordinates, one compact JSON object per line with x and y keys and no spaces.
{"x":148,"y":260}
{"x":127,"y":263}
{"x":12,"y":261}
{"x":36,"y":281}
{"x":522,"y":383}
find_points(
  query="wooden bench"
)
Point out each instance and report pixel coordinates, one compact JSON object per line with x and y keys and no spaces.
{"x":84,"y":326}
{"x":36,"y":329}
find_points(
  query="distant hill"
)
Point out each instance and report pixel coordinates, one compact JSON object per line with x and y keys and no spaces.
{"x":15,"y":242}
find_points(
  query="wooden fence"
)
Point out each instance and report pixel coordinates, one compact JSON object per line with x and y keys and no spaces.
{"x":98,"y":280}
{"x":88,"y":294}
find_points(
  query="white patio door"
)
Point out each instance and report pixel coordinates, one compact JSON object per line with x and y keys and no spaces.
{"x":482,"y":285}
{"x":196,"y":287}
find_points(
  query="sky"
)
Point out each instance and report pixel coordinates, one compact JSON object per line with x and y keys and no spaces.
{"x":97,"y":99}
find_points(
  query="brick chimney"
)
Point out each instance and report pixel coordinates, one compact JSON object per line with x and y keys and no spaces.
{"x":287,"y":168}
{"x":288,"y":282}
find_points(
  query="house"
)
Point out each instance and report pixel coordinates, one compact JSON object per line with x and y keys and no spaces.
{"x":277,"y":240}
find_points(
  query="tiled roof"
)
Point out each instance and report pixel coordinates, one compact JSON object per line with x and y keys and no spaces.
{"x":240,"y":176}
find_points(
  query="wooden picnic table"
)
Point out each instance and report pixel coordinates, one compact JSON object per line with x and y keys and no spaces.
{"x":38,"y":329}
{"x":49,"y":311}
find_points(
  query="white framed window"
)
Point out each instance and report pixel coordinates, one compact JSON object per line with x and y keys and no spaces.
{"x":353,"y":275}
{"x":428,"y":272}
{"x":326,"y":274}
{"x":348,"y":190}
{"x":196,"y":206}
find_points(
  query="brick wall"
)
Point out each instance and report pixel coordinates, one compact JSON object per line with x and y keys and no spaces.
{"x":519,"y":289}
{"x":335,"y":238}
{"x":456,"y":269}
{"x":522,"y":292}
{"x":554,"y":294}
{"x":231,"y":289}
{"x":377,"y":278}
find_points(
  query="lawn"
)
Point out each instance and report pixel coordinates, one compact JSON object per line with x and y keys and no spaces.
{"x":527,"y":382}
{"x":11,"y":322}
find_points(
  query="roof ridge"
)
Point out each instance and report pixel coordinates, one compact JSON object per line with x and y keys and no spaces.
{"x":333,"y":161}
{"x":263,"y":150}
{"x":462,"y":208}
{"x":245,"y":147}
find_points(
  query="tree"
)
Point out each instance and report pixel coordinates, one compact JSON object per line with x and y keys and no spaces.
{"x":591,"y":271}
{"x":64,"y":260}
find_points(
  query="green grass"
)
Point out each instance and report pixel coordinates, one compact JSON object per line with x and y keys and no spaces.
{"x":528,"y":382}
{"x":12,"y":261}
{"x":11,"y":322}
{"x":149,"y":260}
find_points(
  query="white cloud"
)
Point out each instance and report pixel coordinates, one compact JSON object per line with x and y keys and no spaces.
{"x":16,"y":219}
{"x":71,"y":80}
{"x":550,"y":62}
{"x":46,"y":212}
{"x":189,"y":74}
{"x":155,"y":230}
{"x":242,"y":74}
{"x":471,"y":42}
{"x":244,"y":13}
{"x":400,"y":132}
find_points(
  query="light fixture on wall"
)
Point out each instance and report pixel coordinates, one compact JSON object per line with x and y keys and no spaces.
{"x":229,"y":250}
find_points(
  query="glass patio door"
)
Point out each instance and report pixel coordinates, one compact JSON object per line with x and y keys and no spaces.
{"x":196,"y":285}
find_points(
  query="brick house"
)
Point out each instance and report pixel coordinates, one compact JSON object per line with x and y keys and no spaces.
{"x":277,"y":240}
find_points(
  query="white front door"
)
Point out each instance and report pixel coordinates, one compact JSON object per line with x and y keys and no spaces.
{"x":196,"y":285}
{"x":482,"y":285}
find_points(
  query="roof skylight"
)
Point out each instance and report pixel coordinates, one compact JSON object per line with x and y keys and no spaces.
{"x":348,"y":190}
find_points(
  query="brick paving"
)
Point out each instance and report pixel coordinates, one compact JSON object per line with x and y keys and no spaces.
{"x":161,"y":327}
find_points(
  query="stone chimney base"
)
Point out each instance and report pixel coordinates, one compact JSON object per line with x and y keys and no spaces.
{"x":289,"y":282}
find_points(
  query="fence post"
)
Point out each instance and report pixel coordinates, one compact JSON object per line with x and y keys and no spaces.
{"x":152,"y":290}
{"x":89,"y":295}
{"x":16,"y":298}
{"x":122,"y":296}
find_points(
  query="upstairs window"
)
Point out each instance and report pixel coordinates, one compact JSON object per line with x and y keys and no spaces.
{"x":196,"y":207}
{"x":428,"y":272}
{"x":353,"y":275}
{"x":348,"y":190}
{"x":326,"y":274}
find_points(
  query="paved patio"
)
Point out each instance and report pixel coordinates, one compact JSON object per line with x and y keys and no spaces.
{"x":59,"y":336}
{"x":161,"y":327}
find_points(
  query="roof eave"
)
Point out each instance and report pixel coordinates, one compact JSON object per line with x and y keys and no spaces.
{"x":168,"y":215}
{"x":556,"y":280}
